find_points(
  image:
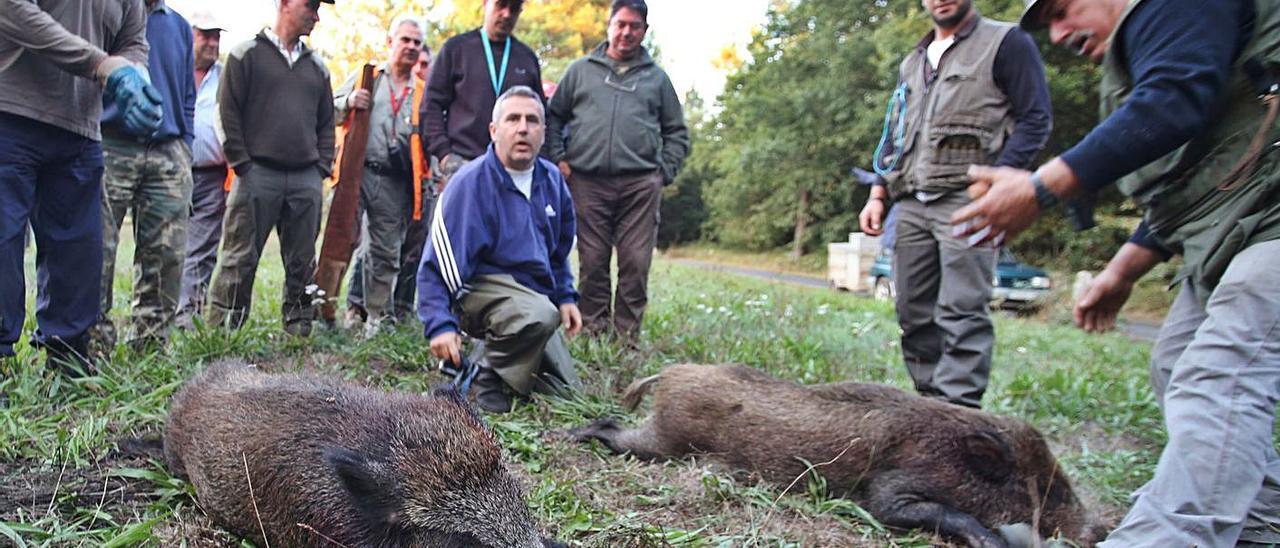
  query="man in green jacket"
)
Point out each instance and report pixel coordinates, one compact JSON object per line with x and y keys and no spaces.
{"x":616,"y":128}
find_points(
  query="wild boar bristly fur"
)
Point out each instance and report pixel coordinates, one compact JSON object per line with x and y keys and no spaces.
{"x":313,"y":462}
{"x":910,"y":461}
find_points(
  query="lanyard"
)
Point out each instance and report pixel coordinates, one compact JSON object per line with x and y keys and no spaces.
{"x":496,"y":77}
{"x":396,"y":103}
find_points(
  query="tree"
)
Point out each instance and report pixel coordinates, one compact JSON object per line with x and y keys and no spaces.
{"x":355,"y":31}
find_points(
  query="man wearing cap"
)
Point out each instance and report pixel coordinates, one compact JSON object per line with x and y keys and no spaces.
{"x":470,"y":72}
{"x":56,"y":59}
{"x":974,"y":92}
{"x":276,"y":113}
{"x":1190,"y":102}
{"x":209,"y":173}
{"x":391,"y":192}
{"x":627,"y":140}
{"x":150,"y":178}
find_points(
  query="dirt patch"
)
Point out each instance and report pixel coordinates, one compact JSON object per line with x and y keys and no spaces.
{"x":30,"y":490}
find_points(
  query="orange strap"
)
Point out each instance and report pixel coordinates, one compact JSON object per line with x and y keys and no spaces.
{"x":231,"y":176}
{"x":421,"y":169}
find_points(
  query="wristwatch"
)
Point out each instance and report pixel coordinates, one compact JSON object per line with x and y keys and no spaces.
{"x":1044,"y":197}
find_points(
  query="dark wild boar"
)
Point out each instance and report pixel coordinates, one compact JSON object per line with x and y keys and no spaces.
{"x":911,"y":462}
{"x":312,"y":461}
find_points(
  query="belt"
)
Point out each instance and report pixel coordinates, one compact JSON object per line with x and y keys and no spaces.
{"x":210,"y":169}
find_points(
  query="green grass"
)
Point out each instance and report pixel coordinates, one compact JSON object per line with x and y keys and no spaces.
{"x":67,"y":485}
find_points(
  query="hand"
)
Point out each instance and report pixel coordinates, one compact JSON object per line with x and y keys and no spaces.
{"x":448,"y":346}
{"x":871,"y":217}
{"x":571,"y":319}
{"x":1096,"y":311}
{"x":1098,"y":307}
{"x":359,"y":99}
{"x":128,"y":88}
{"x":1004,"y":202}
{"x":565,"y":169}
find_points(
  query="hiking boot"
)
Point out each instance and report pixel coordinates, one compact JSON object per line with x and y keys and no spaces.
{"x":70,"y":356}
{"x":491,"y":392}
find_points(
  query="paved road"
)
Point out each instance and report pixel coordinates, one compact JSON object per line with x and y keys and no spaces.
{"x":1137,"y":330}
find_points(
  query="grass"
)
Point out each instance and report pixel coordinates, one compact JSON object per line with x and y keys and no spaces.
{"x":64,"y":483}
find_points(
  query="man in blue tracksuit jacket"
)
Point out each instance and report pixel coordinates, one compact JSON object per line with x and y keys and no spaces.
{"x":496,"y":264}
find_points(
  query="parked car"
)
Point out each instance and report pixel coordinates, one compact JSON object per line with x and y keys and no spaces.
{"x":1016,"y":284}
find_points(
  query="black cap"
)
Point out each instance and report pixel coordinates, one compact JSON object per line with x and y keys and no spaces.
{"x":1032,"y":17}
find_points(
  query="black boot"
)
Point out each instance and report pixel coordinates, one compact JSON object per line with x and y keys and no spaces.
{"x":491,"y":392}
{"x":70,"y":356}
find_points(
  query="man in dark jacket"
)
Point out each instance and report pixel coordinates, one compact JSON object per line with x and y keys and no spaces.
{"x":497,"y":262}
{"x":1190,"y":94}
{"x":626,"y":140}
{"x":276,"y":108}
{"x":468,"y":74}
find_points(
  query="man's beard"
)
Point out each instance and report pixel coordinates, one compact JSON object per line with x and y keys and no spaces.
{"x":962,"y":11}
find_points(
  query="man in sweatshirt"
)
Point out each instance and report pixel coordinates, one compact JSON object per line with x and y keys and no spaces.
{"x":276,"y":111}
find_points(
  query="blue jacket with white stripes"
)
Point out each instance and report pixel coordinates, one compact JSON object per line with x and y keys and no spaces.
{"x":483,"y":225}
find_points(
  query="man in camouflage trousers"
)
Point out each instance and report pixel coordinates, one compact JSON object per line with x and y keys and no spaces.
{"x":152,"y":178}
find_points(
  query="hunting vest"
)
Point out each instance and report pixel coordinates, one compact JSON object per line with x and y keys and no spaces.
{"x":1218,"y":193}
{"x":956,"y":117}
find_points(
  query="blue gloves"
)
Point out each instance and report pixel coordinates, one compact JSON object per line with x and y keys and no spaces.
{"x":129,"y":89}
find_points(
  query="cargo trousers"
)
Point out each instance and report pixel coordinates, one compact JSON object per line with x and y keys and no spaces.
{"x":262,"y":199}
{"x":943,"y":301}
{"x":520,"y":330}
{"x":1215,"y":370}
{"x":152,"y":183}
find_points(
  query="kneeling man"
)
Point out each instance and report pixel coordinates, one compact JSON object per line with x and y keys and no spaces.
{"x":497,"y":262}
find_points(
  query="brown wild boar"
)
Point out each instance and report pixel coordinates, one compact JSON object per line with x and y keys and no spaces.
{"x":311,"y":461}
{"x":911,"y":462}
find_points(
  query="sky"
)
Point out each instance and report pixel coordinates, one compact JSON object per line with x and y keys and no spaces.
{"x":689,"y":32}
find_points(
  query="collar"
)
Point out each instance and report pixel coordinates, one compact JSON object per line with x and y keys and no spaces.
{"x":965,"y":30}
{"x":161,"y":7}
{"x":599,"y":55}
{"x":274,"y":38}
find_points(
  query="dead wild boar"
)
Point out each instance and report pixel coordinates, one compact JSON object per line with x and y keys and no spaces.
{"x":311,"y":461}
{"x":911,"y":462}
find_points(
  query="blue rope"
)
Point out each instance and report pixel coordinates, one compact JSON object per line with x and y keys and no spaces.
{"x":468,"y":373}
{"x":897,"y":101}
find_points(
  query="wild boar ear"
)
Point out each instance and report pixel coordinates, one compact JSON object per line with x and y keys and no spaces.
{"x":365,"y":481}
{"x":988,"y":455}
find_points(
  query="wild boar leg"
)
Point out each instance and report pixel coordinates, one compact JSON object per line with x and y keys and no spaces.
{"x":640,"y":442}
{"x":891,"y":502}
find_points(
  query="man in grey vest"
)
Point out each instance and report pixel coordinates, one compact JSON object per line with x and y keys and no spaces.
{"x":1190,"y":97}
{"x":974,"y":92}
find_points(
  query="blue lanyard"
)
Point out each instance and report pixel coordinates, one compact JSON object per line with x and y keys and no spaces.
{"x":488,"y":56}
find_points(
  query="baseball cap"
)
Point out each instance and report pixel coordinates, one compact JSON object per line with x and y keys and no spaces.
{"x":203,"y":20}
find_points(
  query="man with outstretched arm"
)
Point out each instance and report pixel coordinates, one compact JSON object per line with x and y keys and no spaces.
{"x":496,"y":263}
{"x":1190,"y":98}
